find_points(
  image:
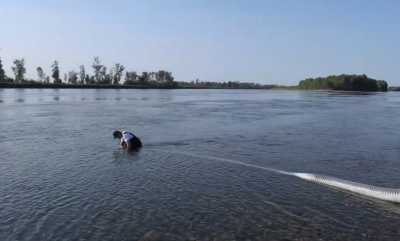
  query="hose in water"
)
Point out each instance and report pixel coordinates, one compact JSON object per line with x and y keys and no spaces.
{"x":382,"y":193}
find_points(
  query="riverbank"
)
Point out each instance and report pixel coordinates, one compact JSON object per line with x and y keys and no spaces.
{"x":106,"y":86}
{"x":74,"y":86}
{"x":156,"y":86}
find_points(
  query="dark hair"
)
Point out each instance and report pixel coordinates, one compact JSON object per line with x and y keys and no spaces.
{"x":117,"y":134}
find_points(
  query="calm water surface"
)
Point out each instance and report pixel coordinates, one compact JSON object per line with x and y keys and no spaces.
{"x":63,"y":177}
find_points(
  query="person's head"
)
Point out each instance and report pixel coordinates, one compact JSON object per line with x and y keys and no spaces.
{"x":117,"y":134}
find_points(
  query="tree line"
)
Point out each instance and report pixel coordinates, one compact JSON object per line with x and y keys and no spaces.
{"x":114,"y":75}
{"x":117,"y":75}
{"x":223,"y":85}
{"x":344,"y":82}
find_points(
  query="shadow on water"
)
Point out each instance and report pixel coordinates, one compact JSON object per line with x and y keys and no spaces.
{"x":385,"y":205}
{"x":350,"y":93}
{"x":339,"y":93}
{"x":123,"y":157}
{"x":168,"y":143}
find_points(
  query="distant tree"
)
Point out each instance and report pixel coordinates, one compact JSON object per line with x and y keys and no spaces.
{"x":164,"y":76}
{"x":103,"y":75}
{"x":87,"y":79}
{"x":47,"y":80}
{"x":19,"y":70}
{"x":97,"y":69}
{"x":2,"y":73}
{"x":41,"y":74}
{"x":111,"y":75}
{"x":118,"y":70}
{"x":65,"y":78}
{"x":92,"y":80}
{"x":382,"y":85}
{"x":169,"y":77}
{"x":107,"y":78}
{"x":82,"y":74}
{"x":344,"y":82}
{"x":130,"y":77}
{"x":144,"y":78}
{"x":72,"y":77}
{"x":55,"y":69}
{"x":161,"y":76}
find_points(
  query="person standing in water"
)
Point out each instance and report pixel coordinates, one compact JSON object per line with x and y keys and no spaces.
{"x":128,"y":140}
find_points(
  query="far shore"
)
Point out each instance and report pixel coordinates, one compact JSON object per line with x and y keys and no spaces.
{"x":111,"y":86}
{"x":155,"y":86}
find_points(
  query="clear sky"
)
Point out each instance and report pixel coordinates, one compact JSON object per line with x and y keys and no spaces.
{"x":264,"y":41}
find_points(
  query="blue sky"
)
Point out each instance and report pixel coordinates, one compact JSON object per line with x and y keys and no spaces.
{"x":264,"y":41}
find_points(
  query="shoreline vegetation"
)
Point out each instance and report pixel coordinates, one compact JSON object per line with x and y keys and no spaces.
{"x":344,"y":83}
{"x":118,"y":78}
{"x":177,"y":85}
{"x":102,"y":77}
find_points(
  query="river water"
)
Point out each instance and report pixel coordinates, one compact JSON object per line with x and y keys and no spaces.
{"x":63,"y":176}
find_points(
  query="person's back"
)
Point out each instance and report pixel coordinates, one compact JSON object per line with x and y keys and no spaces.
{"x":128,"y":140}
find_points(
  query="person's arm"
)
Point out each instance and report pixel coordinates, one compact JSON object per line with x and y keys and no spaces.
{"x":124,"y":145}
{"x":127,"y":145}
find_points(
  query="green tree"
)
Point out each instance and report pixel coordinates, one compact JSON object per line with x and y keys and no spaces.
{"x":41,"y":74}
{"x":2,"y":73}
{"x":19,"y":70}
{"x":161,"y":76}
{"x":103,"y":75}
{"x":144,"y":78}
{"x":72,"y":77}
{"x":344,"y":82}
{"x":82,"y":74}
{"x":130,"y":77}
{"x":55,"y":69}
{"x":169,"y":77}
{"x":87,"y":79}
{"x":118,"y":70}
{"x":97,"y":69}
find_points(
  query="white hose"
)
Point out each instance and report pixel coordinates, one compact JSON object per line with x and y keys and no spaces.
{"x":382,"y":193}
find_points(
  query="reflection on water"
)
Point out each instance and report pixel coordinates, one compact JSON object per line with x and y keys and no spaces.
{"x":63,"y":177}
{"x":121,"y":157}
